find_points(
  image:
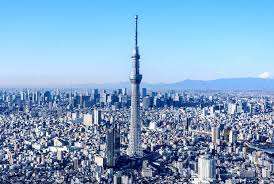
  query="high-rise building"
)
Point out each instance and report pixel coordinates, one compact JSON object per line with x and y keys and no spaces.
{"x":144,"y":92}
{"x":146,"y":102}
{"x":188,"y":123}
{"x":96,"y":96}
{"x":124,"y":91}
{"x":232,"y":136}
{"x":206,"y":169}
{"x":75,"y":163}
{"x":134,"y":149}
{"x":113,"y":144}
{"x":215,"y":133}
{"x":47,"y":96}
{"x":97,"y":116}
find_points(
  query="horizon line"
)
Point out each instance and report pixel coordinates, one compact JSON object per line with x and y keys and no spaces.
{"x":66,"y":85}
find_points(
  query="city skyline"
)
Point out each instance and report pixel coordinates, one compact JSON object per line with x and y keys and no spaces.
{"x":46,"y":44}
{"x":191,"y":103}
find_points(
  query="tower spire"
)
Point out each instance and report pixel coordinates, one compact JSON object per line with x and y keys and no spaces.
{"x":136,"y":31}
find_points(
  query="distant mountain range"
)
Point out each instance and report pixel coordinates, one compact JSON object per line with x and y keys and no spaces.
{"x":218,"y":84}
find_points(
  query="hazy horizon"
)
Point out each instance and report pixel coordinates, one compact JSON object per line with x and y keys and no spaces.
{"x":121,"y":84}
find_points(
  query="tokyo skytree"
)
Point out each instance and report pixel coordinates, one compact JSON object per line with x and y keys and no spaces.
{"x":134,"y":149}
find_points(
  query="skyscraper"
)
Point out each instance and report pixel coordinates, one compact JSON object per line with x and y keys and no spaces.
{"x":97,"y":116}
{"x":113,"y":144}
{"x":135,"y":149}
{"x":206,"y":169}
{"x":144,"y":92}
{"x":215,"y":134}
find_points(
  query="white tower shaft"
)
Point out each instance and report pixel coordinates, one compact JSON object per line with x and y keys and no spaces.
{"x":135,"y":149}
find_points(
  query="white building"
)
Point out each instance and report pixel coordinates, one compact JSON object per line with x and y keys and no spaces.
{"x":206,"y":170}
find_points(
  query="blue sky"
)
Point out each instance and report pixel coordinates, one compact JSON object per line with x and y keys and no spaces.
{"x":69,"y":41}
